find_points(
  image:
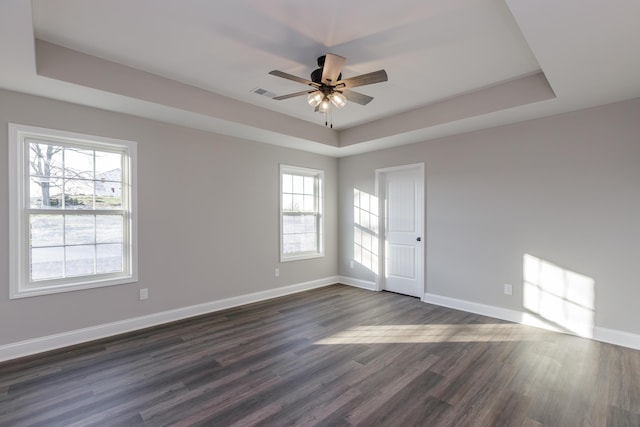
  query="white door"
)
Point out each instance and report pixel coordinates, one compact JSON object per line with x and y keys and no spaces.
{"x":403,"y":231}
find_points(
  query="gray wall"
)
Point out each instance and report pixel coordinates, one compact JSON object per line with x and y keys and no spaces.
{"x":208,"y":220}
{"x":565,"y":189}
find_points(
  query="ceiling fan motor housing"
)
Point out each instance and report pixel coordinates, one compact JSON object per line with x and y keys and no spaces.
{"x":316,"y":75}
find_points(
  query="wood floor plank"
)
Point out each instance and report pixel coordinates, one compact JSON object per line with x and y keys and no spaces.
{"x":333,"y":356}
{"x":411,"y":405}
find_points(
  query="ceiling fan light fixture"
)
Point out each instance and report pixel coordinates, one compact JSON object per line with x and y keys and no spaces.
{"x":324,"y":105}
{"x":314,"y":98}
{"x":338,"y":99}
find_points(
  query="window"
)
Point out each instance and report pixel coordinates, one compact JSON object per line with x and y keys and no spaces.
{"x":72,"y":211}
{"x":300,"y":213}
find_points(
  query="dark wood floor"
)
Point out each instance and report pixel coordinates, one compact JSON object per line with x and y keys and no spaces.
{"x":334,"y":356}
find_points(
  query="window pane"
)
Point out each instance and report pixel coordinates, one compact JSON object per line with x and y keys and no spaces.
{"x":78,"y":194}
{"x":288,"y":223}
{"x":299,"y":225}
{"x":305,"y":242}
{"x":78,"y":163}
{"x":45,"y":193}
{"x":109,"y":229}
{"x":80,"y":229}
{"x":109,"y":258}
{"x":287,"y":183}
{"x":289,"y":243}
{"x":309,"y":185}
{"x":309,"y":204}
{"x":308,"y":242}
{"x":298,"y":202}
{"x":310,"y":223}
{"x":298,"y":184}
{"x":47,"y":263}
{"x":45,"y":160}
{"x":108,"y":195}
{"x":108,"y":166}
{"x":80,"y":260}
{"x":287,"y":202}
{"x":46,"y":230}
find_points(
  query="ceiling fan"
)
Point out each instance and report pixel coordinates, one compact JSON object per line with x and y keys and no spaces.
{"x":327,"y":86}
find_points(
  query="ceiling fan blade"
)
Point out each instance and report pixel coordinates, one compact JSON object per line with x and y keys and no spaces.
{"x":363,"y":79}
{"x":332,"y":68}
{"x":356,"y":97}
{"x":288,"y":76}
{"x":293,"y":95}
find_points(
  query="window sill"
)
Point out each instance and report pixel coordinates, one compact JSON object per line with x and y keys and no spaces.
{"x":34,"y":291}
{"x":300,"y":257}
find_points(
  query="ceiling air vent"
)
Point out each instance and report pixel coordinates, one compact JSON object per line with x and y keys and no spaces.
{"x":263,"y":92}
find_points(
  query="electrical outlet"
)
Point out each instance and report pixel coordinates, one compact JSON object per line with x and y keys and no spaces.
{"x":508,"y":289}
{"x":351,"y":264}
{"x":277,"y":272}
{"x":144,"y":294}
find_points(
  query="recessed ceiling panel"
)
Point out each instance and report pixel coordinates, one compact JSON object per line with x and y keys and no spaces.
{"x":431,"y":50}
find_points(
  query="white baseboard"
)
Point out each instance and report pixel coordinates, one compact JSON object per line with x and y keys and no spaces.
{"x":78,"y":336}
{"x":473,"y":307}
{"x":358,"y":283}
{"x":611,"y":336}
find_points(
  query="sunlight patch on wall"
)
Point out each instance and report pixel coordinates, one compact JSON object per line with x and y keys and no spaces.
{"x":408,"y":334}
{"x":365,"y":230}
{"x":562,"y":297}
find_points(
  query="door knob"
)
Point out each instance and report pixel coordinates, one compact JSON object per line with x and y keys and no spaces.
{"x":419,"y":239}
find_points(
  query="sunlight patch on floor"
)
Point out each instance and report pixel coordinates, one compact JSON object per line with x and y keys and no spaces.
{"x":438,"y":333}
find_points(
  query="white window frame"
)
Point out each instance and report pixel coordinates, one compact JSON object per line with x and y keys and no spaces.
{"x":318,"y":175}
{"x":20,"y":285}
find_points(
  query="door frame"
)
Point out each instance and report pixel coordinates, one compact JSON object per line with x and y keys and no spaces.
{"x":380,"y":191}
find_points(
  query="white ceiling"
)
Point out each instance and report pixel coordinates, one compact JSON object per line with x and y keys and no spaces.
{"x":439,"y":54}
